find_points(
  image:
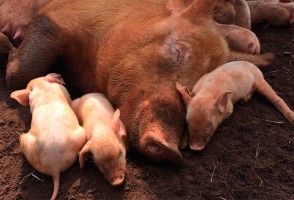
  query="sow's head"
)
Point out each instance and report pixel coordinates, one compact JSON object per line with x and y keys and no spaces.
{"x":181,"y":45}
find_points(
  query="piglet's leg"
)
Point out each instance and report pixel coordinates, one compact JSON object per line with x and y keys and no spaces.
{"x":247,"y":97}
{"x":27,"y":146}
{"x":36,"y":55}
{"x":272,"y":13}
{"x":264,"y":88}
{"x":78,"y":138}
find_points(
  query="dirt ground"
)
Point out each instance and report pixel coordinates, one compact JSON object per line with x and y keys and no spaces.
{"x":251,"y":156}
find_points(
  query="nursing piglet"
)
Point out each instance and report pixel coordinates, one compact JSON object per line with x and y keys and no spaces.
{"x":55,"y":138}
{"x":216,"y":92}
{"x":105,"y":136}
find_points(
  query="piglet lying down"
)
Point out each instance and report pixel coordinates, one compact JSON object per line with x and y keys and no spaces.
{"x":215,"y":94}
{"x":106,"y":136}
{"x":55,"y":138}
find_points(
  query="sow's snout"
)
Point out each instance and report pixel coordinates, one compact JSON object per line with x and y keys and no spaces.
{"x":160,"y":127}
{"x":157,"y":148}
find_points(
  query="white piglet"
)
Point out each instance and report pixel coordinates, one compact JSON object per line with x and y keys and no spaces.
{"x":55,"y":138}
{"x":216,"y":92}
{"x":106,"y":136}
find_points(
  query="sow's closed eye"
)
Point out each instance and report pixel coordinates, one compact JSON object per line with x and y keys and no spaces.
{"x":176,"y":51}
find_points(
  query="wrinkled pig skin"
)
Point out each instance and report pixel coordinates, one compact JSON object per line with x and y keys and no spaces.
{"x":15,"y":16}
{"x":133,"y":57}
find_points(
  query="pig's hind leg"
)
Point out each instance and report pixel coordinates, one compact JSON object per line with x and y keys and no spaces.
{"x":38,"y":52}
{"x":265,"y":89}
{"x":28,"y":147}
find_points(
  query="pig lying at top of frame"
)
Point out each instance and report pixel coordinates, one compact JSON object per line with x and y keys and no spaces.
{"x":233,"y":12}
{"x":55,"y":138}
{"x":244,"y":13}
{"x":275,"y":12}
{"x":15,"y":16}
{"x":212,"y":102}
{"x":133,"y":57}
{"x":106,"y":135}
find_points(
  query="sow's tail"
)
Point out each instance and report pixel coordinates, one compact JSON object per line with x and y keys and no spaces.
{"x":56,"y":185}
{"x":260,"y":60}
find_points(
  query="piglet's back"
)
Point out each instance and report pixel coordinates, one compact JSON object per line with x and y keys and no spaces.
{"x":94,"y":104}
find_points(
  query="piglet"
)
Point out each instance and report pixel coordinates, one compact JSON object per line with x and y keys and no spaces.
{"x":55,"y":138}
{"x":275,"y":12}
{"x":106,"y":136}
{"x":216,"y":92}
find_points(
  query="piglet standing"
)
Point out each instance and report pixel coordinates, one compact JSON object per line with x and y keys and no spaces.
{"x":215,"y":94}
{"x":106,"y":136}
{"x":55,"y":138}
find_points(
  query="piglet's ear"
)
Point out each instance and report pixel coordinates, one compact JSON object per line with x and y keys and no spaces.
{"x":82,"y":154}
{"x":21,"y":96}
{"x":223,"y":101}
{"x":185,"y":96}
{"x":116,"y":121}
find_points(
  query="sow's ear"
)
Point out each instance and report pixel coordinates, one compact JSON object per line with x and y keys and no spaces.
{"x":185,"y":96}
{"x":21,"y":96}
{"x":116,"y":121}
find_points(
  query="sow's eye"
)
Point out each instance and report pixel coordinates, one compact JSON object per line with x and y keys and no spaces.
{"x":176,"y":51}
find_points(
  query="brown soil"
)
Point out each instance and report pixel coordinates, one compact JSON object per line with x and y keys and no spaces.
{"x":250,"y":156}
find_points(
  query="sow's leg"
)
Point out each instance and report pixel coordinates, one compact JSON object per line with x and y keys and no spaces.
{"x":36,"y":55}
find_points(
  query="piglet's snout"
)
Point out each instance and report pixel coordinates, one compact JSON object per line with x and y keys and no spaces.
{"x":117,"y":180}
